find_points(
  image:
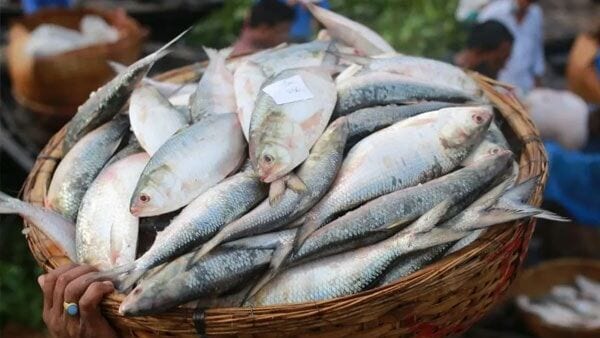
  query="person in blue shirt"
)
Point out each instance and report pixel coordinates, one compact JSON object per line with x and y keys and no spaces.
{"x":32,"y":6}
{"x":302,"y":27}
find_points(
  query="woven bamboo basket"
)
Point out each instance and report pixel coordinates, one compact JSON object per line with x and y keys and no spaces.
{"x":56,"y":85}
{"x":445,"y":298}
{"x":539,"y":280}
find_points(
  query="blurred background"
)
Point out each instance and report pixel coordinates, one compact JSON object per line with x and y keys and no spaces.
{"x":563,"y":99}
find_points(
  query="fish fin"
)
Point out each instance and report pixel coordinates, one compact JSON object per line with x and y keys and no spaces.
{"x":278,"y":260}
{"x":205,"y":248}
{"x":304,"y":231}
{"x":491,"y":197}
{"x":276,"y":190}
{"x":493,"y":216}
{"x":225,"y":52}
{"x":357,"y":59}
{"x":8,"y":204}
{"x":295,"y":183}
{"x":117,"y":67}
{"x":162,"y":51}
{"x":522,"y":191}
{"x":211,"y":53}
{"x":431,"y":218}
{"x":123,"y":277}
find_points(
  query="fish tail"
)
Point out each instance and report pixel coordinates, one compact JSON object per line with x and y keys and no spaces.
{"x":522,"y":191}
{"x":8,"y":204}
{"x":162,"y":51}
{"x":278,"y":260}
{"x":117,"y":67}
{"x":544,"y":214}
{"x":205,"y":248}
{"x":212,"y":53}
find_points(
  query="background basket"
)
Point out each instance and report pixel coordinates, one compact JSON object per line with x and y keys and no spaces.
{"x":538,"y":281}
{"x":56,"y":85}
{"x":444,"y":298}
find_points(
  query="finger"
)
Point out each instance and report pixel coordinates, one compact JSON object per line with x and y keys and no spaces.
{"x":77,"y":287}
{"x":88,"y":303}
{"x":61,"y":283}
{"x":48,"y":281}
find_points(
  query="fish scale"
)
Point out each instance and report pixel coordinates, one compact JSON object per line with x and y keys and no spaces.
{"x":401,"y":207}
{"x":379,"y":88}
{"x":200,"y":220}
{"x":382,"y":163}
{"x":317,"y":173}
{"x":212,"y":275}
{"x":346,"y":273}
{"x":81,"y":165}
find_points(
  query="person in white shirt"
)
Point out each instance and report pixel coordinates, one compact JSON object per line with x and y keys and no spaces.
{"x":524,"y":19}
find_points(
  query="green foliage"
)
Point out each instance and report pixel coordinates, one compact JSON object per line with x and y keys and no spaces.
{"x":20,"y":295}
{"x":419,"y":27}
{"x":221,"y":27}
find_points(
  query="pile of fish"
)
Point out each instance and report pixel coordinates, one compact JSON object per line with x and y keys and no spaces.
{"x":300,"y":173}
{"x":571,"y":306}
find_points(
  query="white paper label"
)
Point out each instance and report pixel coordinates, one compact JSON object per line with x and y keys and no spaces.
{"x":288,"y":90}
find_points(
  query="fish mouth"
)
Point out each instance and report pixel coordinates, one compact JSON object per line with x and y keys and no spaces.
{"x":135,"y":210}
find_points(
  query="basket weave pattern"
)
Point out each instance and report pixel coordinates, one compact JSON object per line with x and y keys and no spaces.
{"x":442,"y":299}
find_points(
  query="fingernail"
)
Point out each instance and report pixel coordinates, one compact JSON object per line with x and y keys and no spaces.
{"x":41,"y":281}
{"x":107,"y":283}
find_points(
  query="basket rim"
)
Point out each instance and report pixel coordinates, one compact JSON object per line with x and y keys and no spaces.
{"x":513,"y":239}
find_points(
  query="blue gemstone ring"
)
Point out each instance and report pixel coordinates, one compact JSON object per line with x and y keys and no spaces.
{"x":71,"y":309}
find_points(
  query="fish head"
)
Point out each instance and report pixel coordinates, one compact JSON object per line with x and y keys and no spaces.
{"x":465,"y":125}
{"x":138,"y":301}
{"x":147,"y":199}
{"x":273,"y":161}
{"x":482,"y":152}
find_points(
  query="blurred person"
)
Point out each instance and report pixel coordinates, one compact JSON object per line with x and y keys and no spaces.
{"x":468,"y":10}
{"x":524,"y":18}
{"x":302,"y":26}
{"x":488,"y":47}
{"x":583,"y":66}
{"x":560,"y":116}
{"x":266,"y":25}
{"x":72,"y":302}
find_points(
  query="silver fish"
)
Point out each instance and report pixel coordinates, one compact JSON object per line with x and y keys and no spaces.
{"x":189,"y":163}
{"x":382,"y":163}
{"x":463,"y":243}
{"x":379,"y":88}
{"x":107,"y":233}
{"x":198,"y":222}
{"x":316,"y":173}
{"x":398,"y":209}
{"x":421,"y":69}
{"x":214,"y":274}
{"x":499,"y":205}
{"x":108,"y":100}
{"x":346,"y":273}
{"x":281,"y":135}
{"x":252,"y":72}
{"x":352,"y":33}
{"x":412,"y":263}
{"x":81,"y":165}
{"x":153,"y":119}
{"x":56,"y":227}
{"x":132,"y":147}
{"x":215,"y":93}
{"x":368,"y":120}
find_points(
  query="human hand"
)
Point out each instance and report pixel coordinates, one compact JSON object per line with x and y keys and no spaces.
{"x":75,"y":284}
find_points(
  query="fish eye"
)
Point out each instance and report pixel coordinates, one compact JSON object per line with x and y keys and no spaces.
{"x":268,"y":158}
{"x":144,"y":198}
{"x":478,"y":118}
